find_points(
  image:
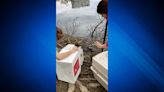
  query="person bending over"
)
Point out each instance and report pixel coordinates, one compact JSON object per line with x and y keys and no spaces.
{"x":60,"y":56}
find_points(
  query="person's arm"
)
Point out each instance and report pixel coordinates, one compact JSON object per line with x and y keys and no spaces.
{"x":100,"y":45}
{"x":63,"y":55}
{"x":104,"y":45}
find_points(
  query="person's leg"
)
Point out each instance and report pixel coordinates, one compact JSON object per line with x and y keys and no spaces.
{"x":71,"y":87}
{"x":82,"y":87}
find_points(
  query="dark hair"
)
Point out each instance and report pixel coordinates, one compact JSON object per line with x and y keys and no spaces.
{"x":102,"y":7}
{"x":59,"y":33}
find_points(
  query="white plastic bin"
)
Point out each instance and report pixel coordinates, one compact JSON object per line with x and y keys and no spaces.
{"x":100,"y":68}
{"x":100,"y":79}
{"x":69,"y":68}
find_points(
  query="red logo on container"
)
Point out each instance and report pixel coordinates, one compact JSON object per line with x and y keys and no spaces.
{"x":76,"y":67}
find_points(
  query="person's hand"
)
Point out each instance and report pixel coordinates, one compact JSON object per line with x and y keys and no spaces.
{"x":74,"y":49}
{"x":98,"y":44}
